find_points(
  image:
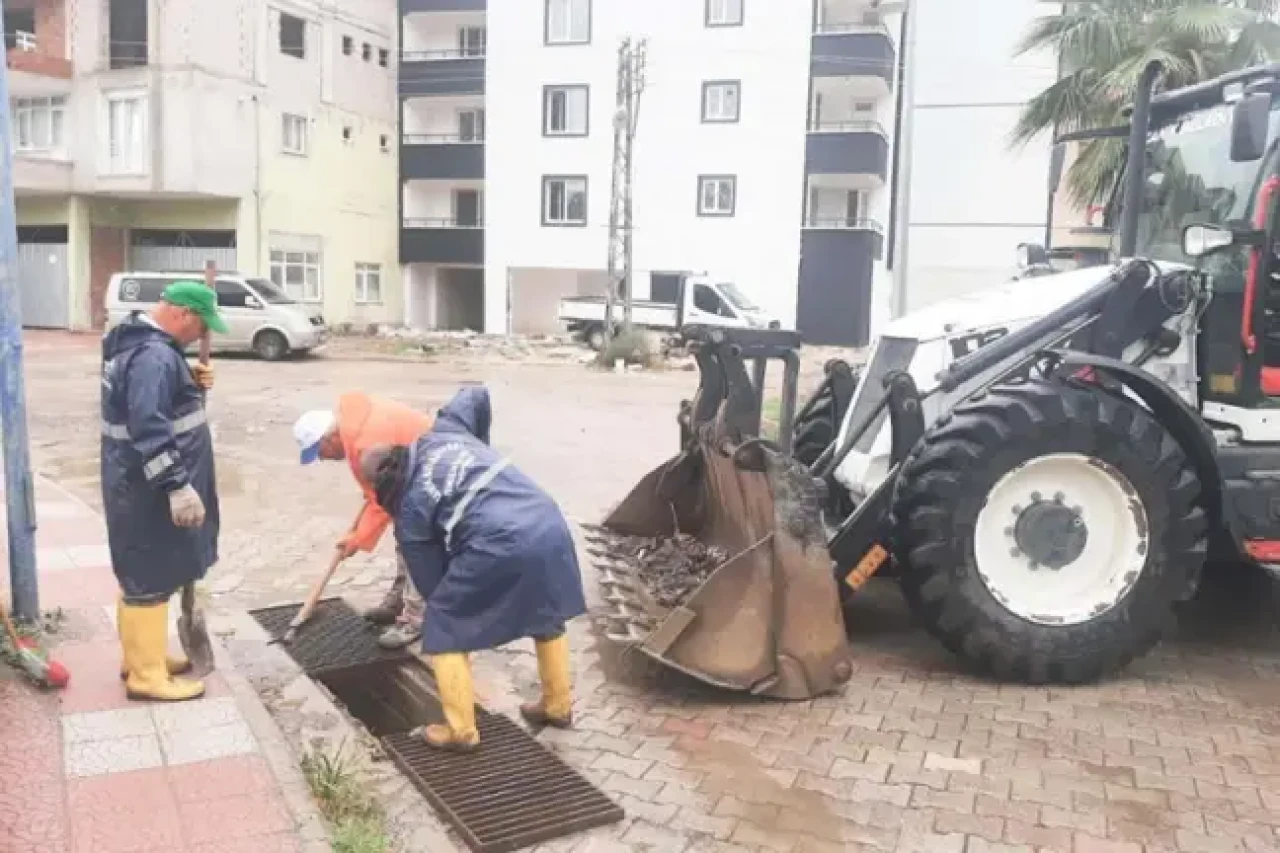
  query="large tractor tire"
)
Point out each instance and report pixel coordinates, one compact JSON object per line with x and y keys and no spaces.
{"x":1045,"y":531}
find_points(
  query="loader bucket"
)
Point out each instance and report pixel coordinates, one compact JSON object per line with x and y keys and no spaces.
{"x":716,"y":563}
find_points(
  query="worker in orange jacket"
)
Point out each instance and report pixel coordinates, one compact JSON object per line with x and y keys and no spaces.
{"x":359,"y":423}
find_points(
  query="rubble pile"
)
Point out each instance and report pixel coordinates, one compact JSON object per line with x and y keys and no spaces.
{"x":672,"y":567}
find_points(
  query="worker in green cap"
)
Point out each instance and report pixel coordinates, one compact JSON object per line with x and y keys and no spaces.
{"x":158,"y":487}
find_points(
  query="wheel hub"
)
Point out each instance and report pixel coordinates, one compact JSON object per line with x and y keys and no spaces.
{"x":1049,"y":533}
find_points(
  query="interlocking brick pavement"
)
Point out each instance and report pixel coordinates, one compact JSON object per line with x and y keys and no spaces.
{"x":1180,"y":753}
{"x":85,"y":770}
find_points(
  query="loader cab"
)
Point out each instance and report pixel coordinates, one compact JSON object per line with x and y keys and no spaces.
{"x":1209,"y":201}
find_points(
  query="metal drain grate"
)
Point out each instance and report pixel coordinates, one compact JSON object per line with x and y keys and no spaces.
{"x":334,"y":638}
{"x":510,"y":793}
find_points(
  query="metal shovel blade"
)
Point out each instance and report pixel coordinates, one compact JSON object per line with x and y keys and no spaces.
{"x":194,"y":635}
{"x":765,"y":620}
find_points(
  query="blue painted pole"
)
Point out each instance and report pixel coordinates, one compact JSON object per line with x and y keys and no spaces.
{"x":19,"y":496}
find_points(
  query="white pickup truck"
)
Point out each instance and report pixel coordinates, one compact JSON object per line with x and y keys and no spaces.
{"x":700,"y":300}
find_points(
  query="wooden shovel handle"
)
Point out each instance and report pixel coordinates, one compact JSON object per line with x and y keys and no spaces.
{"x":211,"y":281}
{"x":313,"y":597}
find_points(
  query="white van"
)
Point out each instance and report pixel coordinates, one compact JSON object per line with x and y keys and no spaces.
{"x":260,"y":316}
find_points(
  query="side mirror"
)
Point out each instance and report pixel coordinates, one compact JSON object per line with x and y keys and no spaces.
{"x":252,"y":302}
{"x":1057,"y":157}
{"x":1031,"y":255}
{"x":1249,"y":124}
{"x":1200,"y":240}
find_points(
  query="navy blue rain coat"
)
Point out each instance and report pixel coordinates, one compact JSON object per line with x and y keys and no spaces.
{"x":155,"y":439}
{"x":489,"y":551}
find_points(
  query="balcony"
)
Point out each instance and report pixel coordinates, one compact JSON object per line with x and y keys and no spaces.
{"x":854,"y":50}
{"x":441,"y":241}
{"x":833,"y":301}
{"x":24,"y":55}
{"x":847,"y":148}
{"x":40,"y":175}
{"x":425,"y":156}
{"x":441,"y":72}
{"x":408,"y":7}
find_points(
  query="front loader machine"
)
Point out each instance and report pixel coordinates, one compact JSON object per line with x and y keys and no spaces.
{"x":716,"y":563}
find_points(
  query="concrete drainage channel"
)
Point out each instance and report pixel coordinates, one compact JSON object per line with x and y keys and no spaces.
{"x":511,"y":793}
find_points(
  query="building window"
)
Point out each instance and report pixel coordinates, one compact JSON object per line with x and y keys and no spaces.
{"x":568,"y":22}
{"x":128,"y":140}
{"x":565,"y":110}
{"x":293,"y":36}
{"x":39,"y":124}
{"x":724,"y":13}
{"x":720,"y":100}
{"x":297,"y":273}
{"x":348,"y":45}
{"x":368,"y":284}
{"x":564,"y":200}
{"x":366,"y":52}
{"x":472,"y":41}
{"x":293,"y":134}
{"x":468,"y":208}
{"x":384,"y":57}
{"x":384,"y":142}
{"x":347,"y":134}
{"x":471,"y":124}
{"x":717,"y":195}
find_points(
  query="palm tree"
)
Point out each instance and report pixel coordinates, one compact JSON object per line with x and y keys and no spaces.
{"x":1104,"y":45}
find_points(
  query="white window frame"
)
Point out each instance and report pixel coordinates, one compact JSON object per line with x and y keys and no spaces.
{"x":572,"y":95}
{"x":121,"y":162}
{"x":716,"y":100}
{"x":567,"y":22}
{"x":473,"y":40}
{"x":30,"y":116}
{"x":300,"y":124}
{"x":368,"y":277}
{"x":725,"y":13}
{"x":713,"y":183}
{"x":309,"y":263}
{"x":570,"y":184}
{"x":477,"y":115}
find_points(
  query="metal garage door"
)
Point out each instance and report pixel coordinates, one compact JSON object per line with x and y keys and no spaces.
{"x":44,"y":285}
{"x":179,"y":258}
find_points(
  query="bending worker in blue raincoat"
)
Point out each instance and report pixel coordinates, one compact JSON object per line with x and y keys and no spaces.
{"x":492,"y":556}
{"x":158,"y":487}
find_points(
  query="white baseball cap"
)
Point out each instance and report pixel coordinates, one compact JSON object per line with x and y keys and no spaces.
{"x":309,"y":429}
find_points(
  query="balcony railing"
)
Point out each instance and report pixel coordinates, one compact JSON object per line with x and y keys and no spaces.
{"x":126,"y":54}
{"x":834,"y":28}
{"x":441,"y":55}
{"x":843,"y":223}
{"x":442,"y":139}
{"x":855,"y":126}
{"x":442,"y":222}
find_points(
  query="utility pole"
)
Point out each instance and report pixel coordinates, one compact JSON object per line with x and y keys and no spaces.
{"x":19,"y":495}
{"x":630,"y":83}
{"x":901,"y":257}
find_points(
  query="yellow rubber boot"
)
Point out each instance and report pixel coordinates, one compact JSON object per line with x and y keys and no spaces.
{"x":556,"y":706}
{"x":177,"y":664}
{"x":146,"y":635}
{"x":457,"y":698}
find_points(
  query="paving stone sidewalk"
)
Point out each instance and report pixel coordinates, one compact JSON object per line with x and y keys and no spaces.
{"x":86,"y":770}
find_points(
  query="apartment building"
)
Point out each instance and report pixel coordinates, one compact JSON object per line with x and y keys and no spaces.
{"x":158,"y":135}
{"x":764,"y":154}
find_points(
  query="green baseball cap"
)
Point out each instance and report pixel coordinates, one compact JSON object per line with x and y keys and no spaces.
{"x":199,"y":298}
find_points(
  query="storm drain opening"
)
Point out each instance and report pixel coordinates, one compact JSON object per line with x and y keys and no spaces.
{"x":509,"y":794}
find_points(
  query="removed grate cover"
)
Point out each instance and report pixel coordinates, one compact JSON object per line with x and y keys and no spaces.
{"x":334,"y":638}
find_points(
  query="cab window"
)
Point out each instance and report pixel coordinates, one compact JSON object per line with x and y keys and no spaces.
{"x":231,"y":294}
{"x":707,"y":300}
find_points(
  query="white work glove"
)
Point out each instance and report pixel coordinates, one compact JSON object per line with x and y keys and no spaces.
{"x":185,"y":507}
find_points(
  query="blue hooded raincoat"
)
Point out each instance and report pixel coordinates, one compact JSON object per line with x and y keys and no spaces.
{"x":155,"y":439}
{"x":489,"y":551}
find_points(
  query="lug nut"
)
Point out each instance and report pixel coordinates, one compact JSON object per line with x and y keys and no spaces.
{"x":1035,"y":497}
{"x":1017,"y":510}
{"x":1008,"y":531}
{"x":1059,"y":497}
{"x":1014,"y":552}
{"x":1033,"y":565}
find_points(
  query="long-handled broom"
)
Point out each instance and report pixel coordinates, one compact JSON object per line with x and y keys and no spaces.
{"x":41,"y":670}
